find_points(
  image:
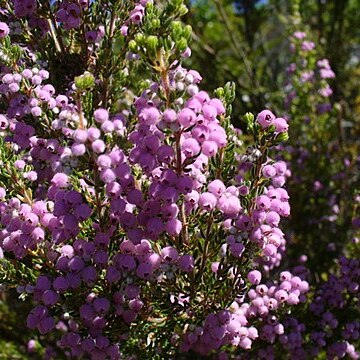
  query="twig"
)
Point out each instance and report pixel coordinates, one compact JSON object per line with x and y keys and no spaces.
{"x":236,"y":45}
{"x":80,"y":112}
{"x":53,"y":34}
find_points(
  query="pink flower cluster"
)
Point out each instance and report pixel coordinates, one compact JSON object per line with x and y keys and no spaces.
{"x":238,"y":325}
{"x":316,"y":76}
{"x":135,"y":17}
{"x":266,"y":119}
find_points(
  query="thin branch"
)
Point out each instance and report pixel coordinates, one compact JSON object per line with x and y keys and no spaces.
{"x":236,"y":45}
{"x":56,"y":32}
{"x":53,"y":34}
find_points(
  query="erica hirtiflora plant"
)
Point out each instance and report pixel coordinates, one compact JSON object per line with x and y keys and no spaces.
{"x":133,"y":217}
{"x":323,"y":158}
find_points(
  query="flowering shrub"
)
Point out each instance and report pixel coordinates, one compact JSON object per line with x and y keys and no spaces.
{"x":323,"y":161}
{"x":134,"y":219}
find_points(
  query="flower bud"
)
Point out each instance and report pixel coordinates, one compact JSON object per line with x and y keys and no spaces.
{"x":187,"y":32}
{"x":139,"y":39}
{"x":176,"y":29}
{"x":282,"y":137}
{"x":152,"y":43}
{"x":181,"y":44}
{"x":133,"y":46}
{"x":85,"y":81}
